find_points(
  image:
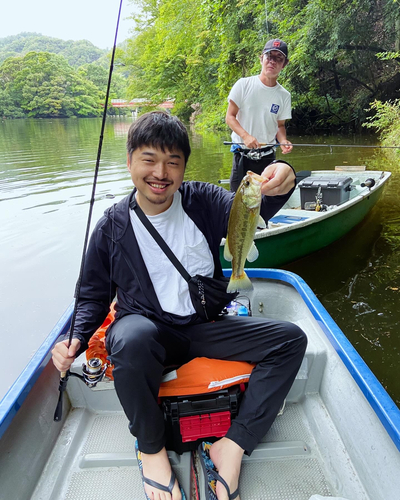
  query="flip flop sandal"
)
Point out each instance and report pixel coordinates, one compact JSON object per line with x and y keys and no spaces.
{"x":152,"y":483}
{"x":211,"y":475}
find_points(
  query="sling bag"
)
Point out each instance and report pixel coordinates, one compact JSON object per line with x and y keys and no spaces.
{"x":208,"y":295}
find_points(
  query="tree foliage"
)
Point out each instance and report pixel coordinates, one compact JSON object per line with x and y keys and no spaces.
{"x":76,"y":53}
{"x":343,"y":55}
{"x":385,"y":119}
{"x":41,"y":84}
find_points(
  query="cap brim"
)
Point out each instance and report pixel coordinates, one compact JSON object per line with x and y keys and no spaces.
{"x":277,"y":50}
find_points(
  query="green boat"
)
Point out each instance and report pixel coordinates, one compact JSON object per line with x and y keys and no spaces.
{"x":325,"y":206}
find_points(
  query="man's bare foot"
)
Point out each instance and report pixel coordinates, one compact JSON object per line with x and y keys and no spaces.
{"x":158,"y":468}
{"x":227,"y":458}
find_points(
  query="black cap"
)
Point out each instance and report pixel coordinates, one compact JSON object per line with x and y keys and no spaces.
{"x":276,"y":44}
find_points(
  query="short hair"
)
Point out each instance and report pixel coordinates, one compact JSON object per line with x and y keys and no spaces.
{"x":159,"y":130}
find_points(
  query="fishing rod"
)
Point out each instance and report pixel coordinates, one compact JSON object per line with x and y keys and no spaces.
{"x":65,"y":375}
{"x":276,"y":144}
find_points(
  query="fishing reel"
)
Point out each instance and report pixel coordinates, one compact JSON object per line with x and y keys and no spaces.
{"x":316,"y":205}
{"x":254,"y":154}
{"x":93,"y":371}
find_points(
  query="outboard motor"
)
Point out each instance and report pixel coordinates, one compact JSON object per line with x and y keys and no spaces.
{"x":369,"y":183}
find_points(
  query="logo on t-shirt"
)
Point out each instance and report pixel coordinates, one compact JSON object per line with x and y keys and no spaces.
{"x":275,"y":108}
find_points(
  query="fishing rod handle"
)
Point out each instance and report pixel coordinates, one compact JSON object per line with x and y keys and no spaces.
{"x":61,"y":388}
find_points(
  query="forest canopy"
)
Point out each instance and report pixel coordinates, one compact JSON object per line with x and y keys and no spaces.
{"x":43,"y":84}
{"x":343,"y":55}
{"x":75,"y":52}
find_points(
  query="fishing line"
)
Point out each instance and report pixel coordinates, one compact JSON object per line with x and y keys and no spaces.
{"x":65,"y":375}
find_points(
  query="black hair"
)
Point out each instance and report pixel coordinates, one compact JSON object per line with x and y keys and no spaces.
{"x":159,"y":130}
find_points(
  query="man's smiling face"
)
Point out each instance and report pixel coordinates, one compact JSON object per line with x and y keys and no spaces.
{"x":157,"y":175}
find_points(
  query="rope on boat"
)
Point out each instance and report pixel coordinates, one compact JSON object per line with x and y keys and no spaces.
{"x":65,"y":375}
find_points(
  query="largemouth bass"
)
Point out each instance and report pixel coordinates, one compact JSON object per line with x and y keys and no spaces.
{"x":243,"y":221}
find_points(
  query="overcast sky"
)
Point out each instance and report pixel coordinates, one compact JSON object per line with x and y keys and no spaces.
{"x":93,"y":20}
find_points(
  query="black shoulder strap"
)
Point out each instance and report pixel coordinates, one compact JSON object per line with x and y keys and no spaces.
{"x":158,"y":238}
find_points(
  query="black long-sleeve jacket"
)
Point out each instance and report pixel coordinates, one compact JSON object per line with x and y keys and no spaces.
{"x":114,"y":264}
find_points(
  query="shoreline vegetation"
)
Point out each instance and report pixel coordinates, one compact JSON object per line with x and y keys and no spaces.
{"x":343,"y":72}
{"x":44,"y":77}
{"x":386,"y":121}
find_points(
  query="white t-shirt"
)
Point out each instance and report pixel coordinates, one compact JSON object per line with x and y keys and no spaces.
{"x":260,"y":108}
{"x":188,"y":244}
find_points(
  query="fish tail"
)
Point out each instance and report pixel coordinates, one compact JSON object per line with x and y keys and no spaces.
{"x":241,"y":282}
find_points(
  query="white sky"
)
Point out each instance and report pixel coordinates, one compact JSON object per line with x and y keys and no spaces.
{"x":93,"y":20}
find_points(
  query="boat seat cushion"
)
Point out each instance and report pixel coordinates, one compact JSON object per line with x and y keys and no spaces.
{"x":202,"y":375}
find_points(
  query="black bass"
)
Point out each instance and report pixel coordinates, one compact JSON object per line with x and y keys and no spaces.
{"x":243,"y":221}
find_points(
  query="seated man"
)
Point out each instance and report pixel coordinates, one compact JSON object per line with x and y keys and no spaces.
{"x":156,"y":324}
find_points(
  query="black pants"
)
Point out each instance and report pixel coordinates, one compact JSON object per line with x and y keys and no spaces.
{"x":241,"y":164}
{"x":140,"y":348}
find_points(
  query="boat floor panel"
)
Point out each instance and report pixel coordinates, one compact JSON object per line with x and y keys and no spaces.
{"x":99,"y":462}
{"x":291,"y":479}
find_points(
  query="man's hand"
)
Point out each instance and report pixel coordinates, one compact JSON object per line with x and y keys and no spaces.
{"x":286,"y":147}
{"x":250,"y":141}
{"x":279,"y":179}
{"x":64,"y":357}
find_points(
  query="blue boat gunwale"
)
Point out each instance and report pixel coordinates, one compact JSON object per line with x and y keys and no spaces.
{"x":380,"y":401}
{"x":20,"y":389}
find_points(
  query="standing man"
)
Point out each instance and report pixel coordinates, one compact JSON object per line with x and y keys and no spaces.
{"x":257,"y":109}
{"x":156,"y":323}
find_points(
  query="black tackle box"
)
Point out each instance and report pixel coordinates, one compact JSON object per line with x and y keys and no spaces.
{"x":334,"y":190}
{"x":192,"y":419}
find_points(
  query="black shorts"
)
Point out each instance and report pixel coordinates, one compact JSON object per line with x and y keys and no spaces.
{"x":241,"y":164}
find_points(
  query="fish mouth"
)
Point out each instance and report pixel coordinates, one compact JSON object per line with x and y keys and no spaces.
{"x":255,"y":177}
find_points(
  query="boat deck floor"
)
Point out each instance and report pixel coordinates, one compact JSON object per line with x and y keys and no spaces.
{"x":99,"y":463}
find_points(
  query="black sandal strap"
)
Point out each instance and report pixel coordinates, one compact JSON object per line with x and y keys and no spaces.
{"x":217,"y":477}
{"x":159,"y":486}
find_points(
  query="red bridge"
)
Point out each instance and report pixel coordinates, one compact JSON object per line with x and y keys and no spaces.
{"x":138,"y":103}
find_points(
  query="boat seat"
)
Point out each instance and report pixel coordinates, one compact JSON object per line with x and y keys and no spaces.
{"x":201,"y":375}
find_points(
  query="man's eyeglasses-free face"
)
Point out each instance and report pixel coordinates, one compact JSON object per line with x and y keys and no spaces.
{"x":276,"y":58}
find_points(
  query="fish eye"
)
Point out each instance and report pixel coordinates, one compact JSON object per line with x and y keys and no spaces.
{"x":246,"y":183}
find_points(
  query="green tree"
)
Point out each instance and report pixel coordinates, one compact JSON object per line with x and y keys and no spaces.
{"x":41,"y":84}
{"x":76,"y":53}
{"x":98,"y":75}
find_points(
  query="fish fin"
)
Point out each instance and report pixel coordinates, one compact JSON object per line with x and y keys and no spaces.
{"x":253,"y":253}
{"x":261,"y":223}
{"x":227,"y":253}
{"x":239,"y":283}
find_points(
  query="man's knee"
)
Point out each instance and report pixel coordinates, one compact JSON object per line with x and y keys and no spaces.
{"x":133,"y":338}
{"x":296,"y":336}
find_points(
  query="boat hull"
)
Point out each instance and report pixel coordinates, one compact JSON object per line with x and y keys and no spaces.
{"x":276,"y":250}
